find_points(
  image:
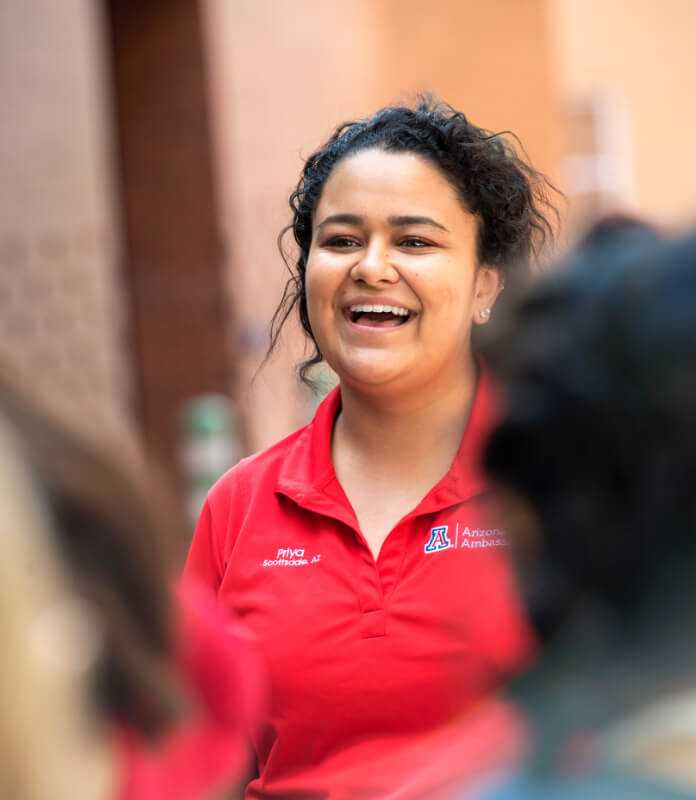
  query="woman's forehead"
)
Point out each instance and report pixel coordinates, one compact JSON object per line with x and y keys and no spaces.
{"x":388,"y":183}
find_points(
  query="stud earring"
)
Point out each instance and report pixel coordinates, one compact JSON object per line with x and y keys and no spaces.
{"x":485,"y":314}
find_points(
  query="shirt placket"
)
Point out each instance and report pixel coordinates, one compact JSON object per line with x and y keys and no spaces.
{"x":375,"y":578}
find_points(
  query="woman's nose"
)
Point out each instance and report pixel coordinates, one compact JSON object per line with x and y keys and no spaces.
{"x":375,"y":266}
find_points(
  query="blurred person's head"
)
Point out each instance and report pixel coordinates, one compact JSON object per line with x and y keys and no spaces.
{"x":609,"y":230}
{"x":365,"y":190}
{"x":115,"y":535}
{"x":50,"y":741}
{"x":598,"y":443}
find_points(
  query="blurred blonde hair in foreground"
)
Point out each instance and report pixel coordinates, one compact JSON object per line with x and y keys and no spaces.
{"x":49,"y":742}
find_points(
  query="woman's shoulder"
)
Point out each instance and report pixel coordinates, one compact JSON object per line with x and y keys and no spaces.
{"x":300,"y":457}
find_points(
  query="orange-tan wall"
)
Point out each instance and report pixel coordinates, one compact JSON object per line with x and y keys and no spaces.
{"x":285,"y":72}
{"x":641,"y":54}
{"x":491,"y":60}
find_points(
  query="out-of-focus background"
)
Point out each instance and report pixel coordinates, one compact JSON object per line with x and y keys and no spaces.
{"x":147,"y":150}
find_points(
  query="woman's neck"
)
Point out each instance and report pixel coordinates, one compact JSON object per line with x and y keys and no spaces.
{"x":406,"y":431}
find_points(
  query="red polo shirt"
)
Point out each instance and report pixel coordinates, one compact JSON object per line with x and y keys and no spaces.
{"x":369,"y":660}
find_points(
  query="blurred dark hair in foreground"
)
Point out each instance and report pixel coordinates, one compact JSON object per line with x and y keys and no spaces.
{"x":596,"y":458}
{"x":599,"y":374}
{"x":168,"y":689}
{"x":48,"y":647}
{"x":115,"y":532}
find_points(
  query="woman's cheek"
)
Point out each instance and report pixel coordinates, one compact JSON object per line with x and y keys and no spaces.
{"x":320,"y":308}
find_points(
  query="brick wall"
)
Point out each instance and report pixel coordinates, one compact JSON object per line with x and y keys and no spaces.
{"x":62,"y":314}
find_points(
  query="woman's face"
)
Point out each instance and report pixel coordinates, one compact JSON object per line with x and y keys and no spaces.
{"x":392,"y":280}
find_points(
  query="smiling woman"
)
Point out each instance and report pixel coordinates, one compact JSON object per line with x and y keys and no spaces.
{"x":411,"y":246}
{"x":507,"y":197}
{"x":391,"y":628}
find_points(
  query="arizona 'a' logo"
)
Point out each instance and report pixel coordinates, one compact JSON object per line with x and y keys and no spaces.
{"x":438,"y":540}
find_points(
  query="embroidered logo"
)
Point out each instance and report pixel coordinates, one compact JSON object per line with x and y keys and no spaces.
{"x":463,"y":537}
{"x":438,"y":540}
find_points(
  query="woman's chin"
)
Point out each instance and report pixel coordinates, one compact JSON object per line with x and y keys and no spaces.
{"x":370,"y":373}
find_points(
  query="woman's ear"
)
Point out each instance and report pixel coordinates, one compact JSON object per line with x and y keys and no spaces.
{"x":489,"y":284}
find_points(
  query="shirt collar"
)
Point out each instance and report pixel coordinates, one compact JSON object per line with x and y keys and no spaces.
{"x":308,"y":469}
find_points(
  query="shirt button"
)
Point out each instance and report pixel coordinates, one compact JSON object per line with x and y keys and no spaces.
{"x":373,"y":624}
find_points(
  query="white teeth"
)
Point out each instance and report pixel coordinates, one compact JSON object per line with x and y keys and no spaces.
{"x":377,"y":309}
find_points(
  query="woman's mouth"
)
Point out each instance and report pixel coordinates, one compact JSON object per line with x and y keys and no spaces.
{"x":378,"y":316}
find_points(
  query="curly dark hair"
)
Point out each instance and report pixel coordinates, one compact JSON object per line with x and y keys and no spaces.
{"x":509,"y":197}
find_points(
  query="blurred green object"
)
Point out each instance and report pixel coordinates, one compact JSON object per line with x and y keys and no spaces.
{"x":210,"y":445}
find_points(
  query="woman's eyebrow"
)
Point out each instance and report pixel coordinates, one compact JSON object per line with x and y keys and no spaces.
{"x":400,"y":222}
{"x":346,"y":219}
{"x":395,"y":222}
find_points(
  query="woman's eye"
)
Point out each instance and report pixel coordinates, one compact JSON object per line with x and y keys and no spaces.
{"x":341,"y":242}
{"x":414,"y":242}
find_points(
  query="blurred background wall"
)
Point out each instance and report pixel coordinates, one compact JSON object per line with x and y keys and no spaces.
{"x":147,"y":151}
{"x":63,"y":332}
{"x":630,"y":66}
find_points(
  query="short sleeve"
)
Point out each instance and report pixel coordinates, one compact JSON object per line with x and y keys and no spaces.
{"x":204,"y":560}
{"x":214,"y":533}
